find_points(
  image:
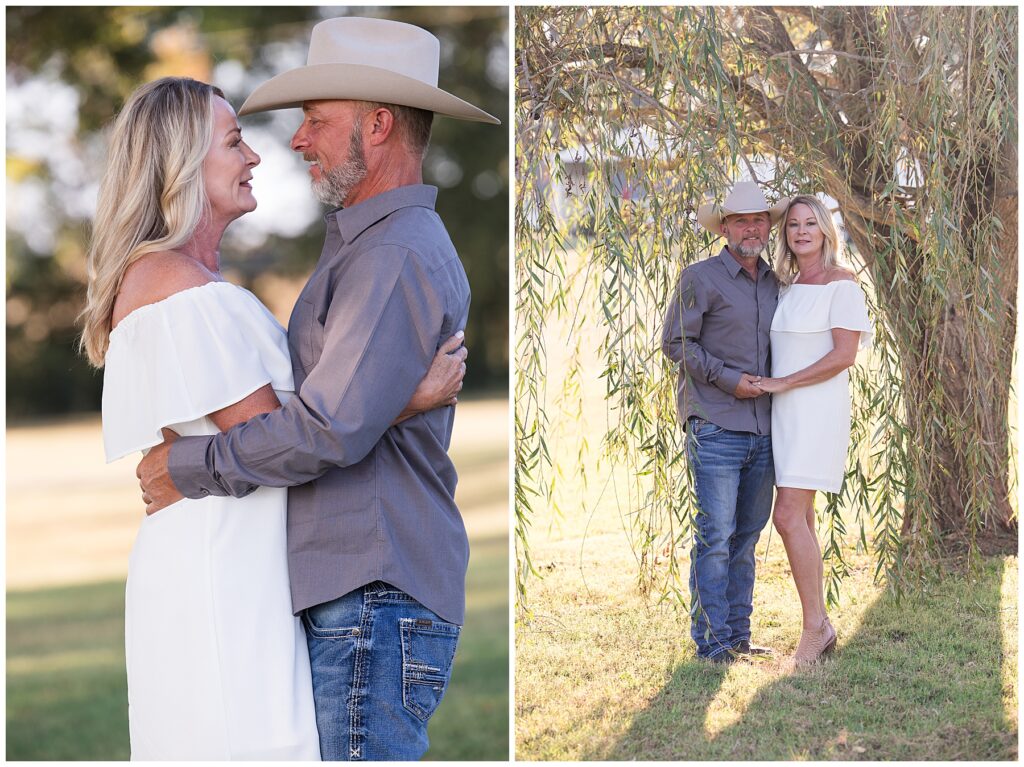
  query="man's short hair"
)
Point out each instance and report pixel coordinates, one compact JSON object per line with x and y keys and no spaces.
{"x":413,"y":124}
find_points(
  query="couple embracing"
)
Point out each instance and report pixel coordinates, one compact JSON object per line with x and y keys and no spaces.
{"x":297,"y":587}
{"x":763,"y":395}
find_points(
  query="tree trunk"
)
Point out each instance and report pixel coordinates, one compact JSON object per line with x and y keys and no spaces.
{"x":957,"y":368}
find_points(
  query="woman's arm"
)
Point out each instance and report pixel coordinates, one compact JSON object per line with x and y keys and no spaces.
{"x":442,"y":383}
{"x":842,"y":356}
{"x":439,"y":388}
{"x":263,"y":400}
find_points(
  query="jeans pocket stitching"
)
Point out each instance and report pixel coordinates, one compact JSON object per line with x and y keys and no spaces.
{"x":416,"y":672}
{"x":346,"y":632}
{"x":709,"y":429}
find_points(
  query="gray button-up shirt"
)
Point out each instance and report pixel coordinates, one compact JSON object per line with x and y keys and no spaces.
{"x":717,"y":326}
{"x":368,"y":501}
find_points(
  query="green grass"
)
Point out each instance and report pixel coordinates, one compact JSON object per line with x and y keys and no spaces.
{"x":472,"y":722}
{"x":602,"y":675}
{"x":66,"y":689}
{"x":67,"y":694}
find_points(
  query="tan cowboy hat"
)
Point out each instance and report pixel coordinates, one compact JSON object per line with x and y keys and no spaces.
{"x":366,"y":60}
{"x":745,"y":197}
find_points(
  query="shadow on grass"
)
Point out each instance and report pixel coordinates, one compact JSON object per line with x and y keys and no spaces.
{"x":920,"y":680}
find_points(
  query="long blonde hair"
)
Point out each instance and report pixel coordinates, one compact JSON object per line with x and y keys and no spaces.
{"x":786,"y":268}
{"x":152,"y":195}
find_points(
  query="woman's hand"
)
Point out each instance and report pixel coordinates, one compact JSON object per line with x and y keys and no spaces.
{"x":443,"y":382}
{"x":842,"y":356}
{"x":772,"y":385}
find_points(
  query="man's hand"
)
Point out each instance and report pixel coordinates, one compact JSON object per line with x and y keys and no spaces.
{"x":158,"y":489}
{"x":747,"y":387}
{"x":443,"y":382}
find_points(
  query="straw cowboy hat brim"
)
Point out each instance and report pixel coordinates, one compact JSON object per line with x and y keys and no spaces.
{"x":359,"y":83}
{"x":745,"y":197}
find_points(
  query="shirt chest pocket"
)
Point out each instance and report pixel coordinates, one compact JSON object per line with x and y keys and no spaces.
{"x":766,"y":312}
{"x":308,"y":335}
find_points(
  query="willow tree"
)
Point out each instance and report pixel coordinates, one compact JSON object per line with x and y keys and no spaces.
{"x":907,"y":117}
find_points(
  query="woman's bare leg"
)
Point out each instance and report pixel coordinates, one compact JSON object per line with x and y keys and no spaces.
{"x":801,"y":542}
{"x":812,"y":526}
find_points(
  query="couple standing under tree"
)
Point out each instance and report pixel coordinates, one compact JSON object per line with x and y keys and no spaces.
{"x":335,"y":640}
{"x":763,"y":395}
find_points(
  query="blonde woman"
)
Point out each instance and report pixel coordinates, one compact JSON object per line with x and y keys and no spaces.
{"x":217,"y":664}
{"x":820,"y":322}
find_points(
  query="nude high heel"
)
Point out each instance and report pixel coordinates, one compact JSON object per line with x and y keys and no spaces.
{"x":815,"y":644}
{"x":831,"y":646}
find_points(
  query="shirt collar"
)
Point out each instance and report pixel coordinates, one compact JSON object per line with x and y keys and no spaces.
{"x":733,"y":267}
{"x":355,"y":220}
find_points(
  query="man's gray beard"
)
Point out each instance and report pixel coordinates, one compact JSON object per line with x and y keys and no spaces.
{"x":749,"y":251}
{"x":334,"y":185}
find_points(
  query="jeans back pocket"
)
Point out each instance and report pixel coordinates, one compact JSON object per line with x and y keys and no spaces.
{"x":428,"y":649}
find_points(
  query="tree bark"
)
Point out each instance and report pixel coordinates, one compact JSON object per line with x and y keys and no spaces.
{"x":963,"y":478}
{"x":956,"y":362}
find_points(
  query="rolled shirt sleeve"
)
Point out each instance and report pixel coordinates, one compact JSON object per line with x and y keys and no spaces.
{"x":380,"y":336}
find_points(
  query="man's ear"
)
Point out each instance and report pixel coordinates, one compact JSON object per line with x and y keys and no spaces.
{"x":381,"y":126}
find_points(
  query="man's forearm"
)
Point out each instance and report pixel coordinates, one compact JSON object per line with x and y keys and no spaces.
{"x":378,"y":343}
{"x":289,"y":446}
{"x":671,"y":335}
{"x":186,"y":463}
{"x":709,"y":369}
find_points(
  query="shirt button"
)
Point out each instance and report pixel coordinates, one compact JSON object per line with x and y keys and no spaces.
{"x":204,"y":492}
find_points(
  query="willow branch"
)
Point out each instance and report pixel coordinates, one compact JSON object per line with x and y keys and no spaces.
{"x":815,"y":52}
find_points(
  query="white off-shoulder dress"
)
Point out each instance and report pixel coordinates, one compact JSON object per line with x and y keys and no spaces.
{"x":217,"y":664}
{"x":811,"y":424}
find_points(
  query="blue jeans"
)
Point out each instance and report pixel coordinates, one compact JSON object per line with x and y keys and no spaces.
{"x":734,"y":476}
{"x":381,"y":663}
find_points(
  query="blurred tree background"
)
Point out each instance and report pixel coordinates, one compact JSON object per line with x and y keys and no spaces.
{"x":69,"y":70}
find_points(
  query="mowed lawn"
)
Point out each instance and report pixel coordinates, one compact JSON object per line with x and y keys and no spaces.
{"x":71,"y":520}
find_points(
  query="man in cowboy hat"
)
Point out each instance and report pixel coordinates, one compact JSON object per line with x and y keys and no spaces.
{"x":377,"y":548}
{"x":717,"y":329}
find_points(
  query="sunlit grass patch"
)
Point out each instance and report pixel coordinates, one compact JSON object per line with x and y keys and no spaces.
{"x":1010,"y":625}
{"x":603,"y":674}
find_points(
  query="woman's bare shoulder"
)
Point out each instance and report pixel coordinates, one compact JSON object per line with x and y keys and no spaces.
{"x":157,"y":276}
{"x":837,"y":273}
